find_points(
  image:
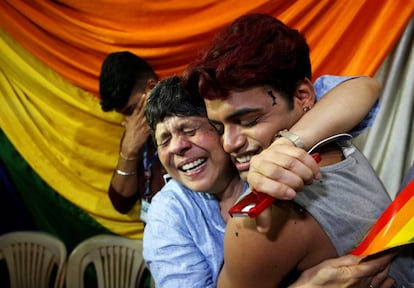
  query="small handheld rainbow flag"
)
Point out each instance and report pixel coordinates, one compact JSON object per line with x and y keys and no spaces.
{"x":395,"y":227}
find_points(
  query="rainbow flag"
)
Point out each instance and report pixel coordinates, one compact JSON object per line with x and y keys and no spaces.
{"x":395,"y":227}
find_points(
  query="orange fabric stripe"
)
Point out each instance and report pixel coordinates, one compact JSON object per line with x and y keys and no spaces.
{"x":72,"y":37}
{"x":393,"y":219}
{"x":383,"y":239}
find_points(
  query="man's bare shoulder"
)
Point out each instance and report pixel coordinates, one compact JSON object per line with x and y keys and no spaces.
{"x":295,"y":241}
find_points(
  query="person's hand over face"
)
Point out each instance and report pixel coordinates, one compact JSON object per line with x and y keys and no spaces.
{"x":348,"y":271}
{"x":136,"y":129}
{"x":280,"y":171}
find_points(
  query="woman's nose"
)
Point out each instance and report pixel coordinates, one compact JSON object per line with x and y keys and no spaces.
{"x":179,"y":144}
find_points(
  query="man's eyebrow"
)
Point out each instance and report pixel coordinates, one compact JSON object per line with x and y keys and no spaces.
{"x":241,"y":112}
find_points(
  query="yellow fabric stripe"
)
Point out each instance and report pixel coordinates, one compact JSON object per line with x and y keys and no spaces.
{"x":60,"y":130}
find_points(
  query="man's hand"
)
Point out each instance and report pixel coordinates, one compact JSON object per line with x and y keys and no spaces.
{"x":136,"y":130}
{"x":280,"y":171}
{"x":348,"y":271}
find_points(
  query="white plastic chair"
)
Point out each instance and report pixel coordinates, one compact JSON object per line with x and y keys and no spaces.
{"x":34,"y":259}
{"x":118,"y":262}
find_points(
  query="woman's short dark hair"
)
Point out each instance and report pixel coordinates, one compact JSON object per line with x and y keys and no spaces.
{"x":170,"y":98}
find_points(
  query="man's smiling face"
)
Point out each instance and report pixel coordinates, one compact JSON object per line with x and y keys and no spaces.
{"x":248,"y":120}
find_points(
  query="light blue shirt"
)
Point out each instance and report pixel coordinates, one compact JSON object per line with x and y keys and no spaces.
{"x":183,"y":238}
{"x":184,"y":235}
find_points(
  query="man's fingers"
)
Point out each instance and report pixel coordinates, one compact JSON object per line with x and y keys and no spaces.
{"x":279,"y":163}
{"x":346,"y":260}
{"x":348,"y":271}
{"x":382,"y":278}
{"x":299,"y":154}
{"x":282,"y":165}
{"x":280,"y":171}
{"x":280,"y":178}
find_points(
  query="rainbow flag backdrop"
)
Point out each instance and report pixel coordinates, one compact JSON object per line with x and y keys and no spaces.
{"x":394,"y":228}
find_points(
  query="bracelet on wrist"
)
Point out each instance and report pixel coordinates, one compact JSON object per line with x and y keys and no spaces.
{"x":292,"y":137}
{"x":127,"y":158}
{"x":125,"y":173}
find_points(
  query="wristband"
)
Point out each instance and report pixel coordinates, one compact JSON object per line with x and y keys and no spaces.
{"x":126,"y":158}
{"x":125,"y":173}
{"x":292,"y":137}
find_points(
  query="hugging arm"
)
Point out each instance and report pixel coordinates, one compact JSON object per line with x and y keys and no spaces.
{"x":339,"y":110}
{"x":289,"y":168}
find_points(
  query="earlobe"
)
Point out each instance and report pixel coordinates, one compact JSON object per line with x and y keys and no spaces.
{"x":305,"y":93}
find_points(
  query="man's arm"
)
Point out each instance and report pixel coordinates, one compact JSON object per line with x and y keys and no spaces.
{"x":338,"y":111}
{"x":341,"y":109}
{"x":123,"y":204}
{"x":253,"y":259}
{"x":296,"y":241}
{"x":125,"y":182}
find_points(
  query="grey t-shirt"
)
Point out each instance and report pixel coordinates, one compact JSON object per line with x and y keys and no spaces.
{"x":347,"y":201}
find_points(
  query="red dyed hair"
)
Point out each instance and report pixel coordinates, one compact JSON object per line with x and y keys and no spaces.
{"x":255,"y":50}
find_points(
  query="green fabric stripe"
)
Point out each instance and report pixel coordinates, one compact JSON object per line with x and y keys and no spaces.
{"x":50,"y":212}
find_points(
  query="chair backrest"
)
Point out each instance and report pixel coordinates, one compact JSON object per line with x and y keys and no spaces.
{"x":34,"y":259}
{"x":117,"y":260}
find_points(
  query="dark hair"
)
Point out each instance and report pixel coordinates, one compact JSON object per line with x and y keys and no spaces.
{"x":255,"y":50}
{"x":122,"y":73}
{"x":170,"y":98}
